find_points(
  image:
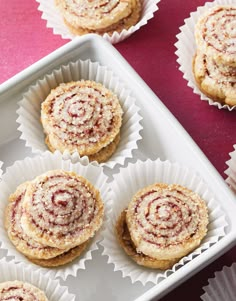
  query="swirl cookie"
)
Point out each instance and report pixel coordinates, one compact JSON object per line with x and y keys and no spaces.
{"x":215,"y":80}
{"x":99,"y":16}
{"x":215,"y":34}
{"x":61,"y":209}
{"x":62,"y":259}
{"x":82,"y":116}
{"x":166,"y":221}
{"x":24,"y":243}
{"x":125,"y":241}
{"x":18,"y":290}
{"x":52,"y":218}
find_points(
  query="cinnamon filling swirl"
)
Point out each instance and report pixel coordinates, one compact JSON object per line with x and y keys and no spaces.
{"x":24,"y":243}
{"x":82,"y":116}
{"x":18,"y":290}
{"x":52,"y":218}
{"x":216,"y":35}
{"x":99,"y":16}
{"x":166,"y":221}
{"x":214,"y":65}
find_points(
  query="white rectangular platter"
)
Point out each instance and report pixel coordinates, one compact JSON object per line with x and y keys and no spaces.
{"x":162,"y":137}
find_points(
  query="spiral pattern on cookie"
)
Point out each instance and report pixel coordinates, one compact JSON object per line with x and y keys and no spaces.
{"x":82,"y":116}
{"x":215,"y":80}
{"x":124,"y":239}
{"x":18,"y":290}
{"x":97,"y":14}
{"x":124,"y":23}
{"x":24,"y":243}
{"x":166,"y":221}
{"x":215,"y":34}
{"x":219,"y":73}
{"x":61,"y":209}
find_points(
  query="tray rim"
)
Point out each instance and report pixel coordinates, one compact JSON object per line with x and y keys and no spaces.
{"x":20,"y":81}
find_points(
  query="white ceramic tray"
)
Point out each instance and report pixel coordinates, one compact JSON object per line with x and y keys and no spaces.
{"x":163,"y":137}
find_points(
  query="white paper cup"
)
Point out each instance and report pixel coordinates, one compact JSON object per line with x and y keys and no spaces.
{"x":136,"y":176}
{"x":52,"y":15}
{"x":28,"y":169}
{"x":222,"y":286}
{"x":231,"y":171}
{"x":52,"y":288}
{"x":30,"y":107}
{"x":186,"y":49}
{"x":1,"y":163}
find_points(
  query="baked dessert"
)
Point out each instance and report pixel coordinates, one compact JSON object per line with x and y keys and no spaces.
{"x":52,"y":218}
{"x":124,"y":239}
{"x":61,"y":209}
{"x":61,"y":259}
{"x":164,"y":223}
{"x":214,"y":64}
{"x":19,"y":290}
{"x":99,"y":16}
{"x":215,"y":34}
{"x":82,"y":116}
{"x":23,"y":242}
{"x":215,"y":80}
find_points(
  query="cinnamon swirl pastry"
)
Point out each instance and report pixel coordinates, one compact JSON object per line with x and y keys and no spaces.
{"x":61,"y":209}
{"x":82,"y":116}
{"x":18,"y":290}
{"x":99,"y":16}
{"x":166,"y":221}
{"x":52,"y":219}
{"x":125,"y":241}
{"x":215,"y":34}
{"x":24,"y":243}
{"x":215,"y":80}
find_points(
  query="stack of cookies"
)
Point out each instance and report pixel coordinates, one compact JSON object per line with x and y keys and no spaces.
{"x":162,"y":224}
{"x":214,"y":65}
{"x":19,"y":290}
{"x":52,"y":218}
{"x":82,"y":116}
{"x":99,"y":16}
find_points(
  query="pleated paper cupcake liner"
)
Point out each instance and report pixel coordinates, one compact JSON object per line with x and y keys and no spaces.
{"x":52,"y":15}
{"x":28,"y":169}
{"x":1,"y":163}
{"x":137,"y":176}
{"x":52,"y":288}
{"x":231,"y":170}
{"x":186,"y":49}
{"x":30,"y":107}
{"x":222,"y":286}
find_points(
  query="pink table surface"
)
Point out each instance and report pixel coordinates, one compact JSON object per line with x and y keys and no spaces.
{"x":24,"y":39}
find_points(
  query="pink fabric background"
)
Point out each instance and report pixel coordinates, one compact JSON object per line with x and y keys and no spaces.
{"x":24,"y":39}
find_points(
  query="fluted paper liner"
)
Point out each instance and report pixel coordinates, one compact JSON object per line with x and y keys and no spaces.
{"x":52,"y":288}
{"x":30,"y":107}
{"x":222,"y":286}
{"x":186,"y":49}
{"x":1,"y":163}
{"x":231,"y":170}
{"x":126,"y":184}
{"x":52,"y":15}
{"x":28,"y":169}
